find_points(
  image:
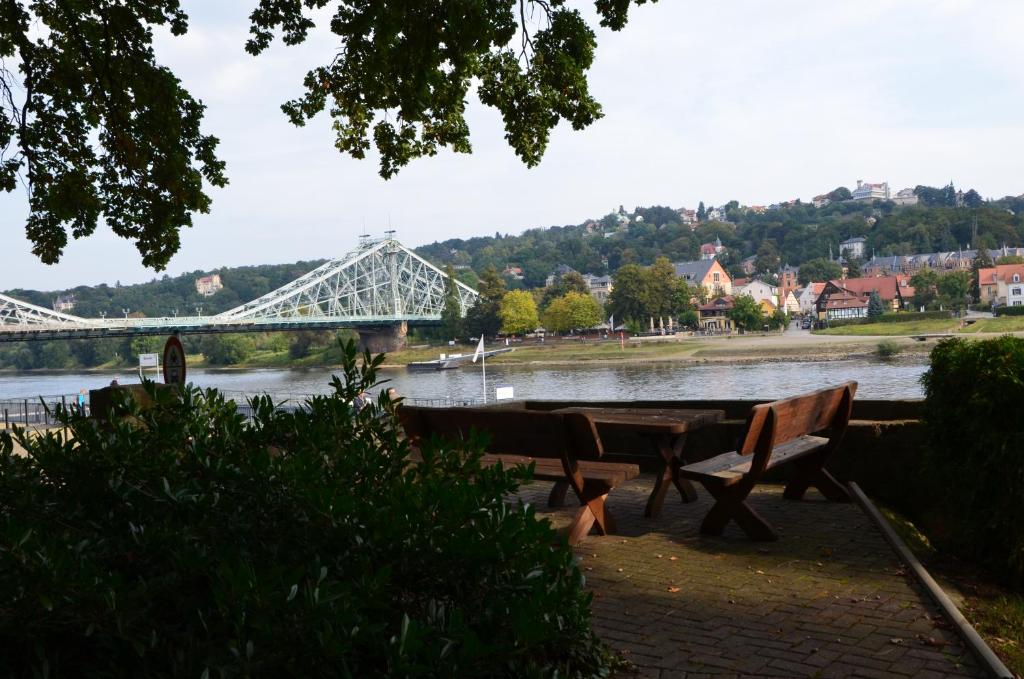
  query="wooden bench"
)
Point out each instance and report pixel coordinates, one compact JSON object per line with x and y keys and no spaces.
{"x":562,"y":446}
{"x":777,"y":433}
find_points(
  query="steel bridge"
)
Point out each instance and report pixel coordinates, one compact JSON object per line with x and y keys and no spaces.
{"x":379,"y":285}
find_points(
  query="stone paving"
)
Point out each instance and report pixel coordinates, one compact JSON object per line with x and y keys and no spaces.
{"x":829,"y":599}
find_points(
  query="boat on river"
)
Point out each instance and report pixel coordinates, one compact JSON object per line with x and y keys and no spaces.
{"x":450,"y":361}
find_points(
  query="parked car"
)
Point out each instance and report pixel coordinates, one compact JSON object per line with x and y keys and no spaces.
{"x":806,"y":325}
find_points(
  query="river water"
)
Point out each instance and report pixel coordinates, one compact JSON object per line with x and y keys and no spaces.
{"x":769,"y":380}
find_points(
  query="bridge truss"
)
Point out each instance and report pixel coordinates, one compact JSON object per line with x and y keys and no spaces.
{"x":380,"y":283}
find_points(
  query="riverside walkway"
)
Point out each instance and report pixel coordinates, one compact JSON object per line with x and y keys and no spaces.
{"x":829,"y":599}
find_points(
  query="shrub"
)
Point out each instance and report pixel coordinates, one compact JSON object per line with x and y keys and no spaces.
{"x":974,"y":411}
{"x":888,"y":349}
{"x":181,"y":540}
{"x":1008,"y":311}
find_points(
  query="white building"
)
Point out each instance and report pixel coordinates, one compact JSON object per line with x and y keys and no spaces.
{"x":905,"y":197}
{"x":868,"y":191}
{"x":207,"y":286}
{"x":853,"y":248}
{"x":790,"y":304}
{"x":760,"y":291}
{"x":807,"y":297}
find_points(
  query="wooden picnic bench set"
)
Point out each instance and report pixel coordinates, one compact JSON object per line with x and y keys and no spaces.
{"x":565,"y":446}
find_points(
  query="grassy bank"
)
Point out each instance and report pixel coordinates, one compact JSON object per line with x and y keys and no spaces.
{"x":922,"y":327}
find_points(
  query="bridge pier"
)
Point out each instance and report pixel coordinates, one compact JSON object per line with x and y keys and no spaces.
{"x":382,"y":339}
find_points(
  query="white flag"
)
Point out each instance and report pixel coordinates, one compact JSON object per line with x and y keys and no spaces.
{"x":479,"y":349}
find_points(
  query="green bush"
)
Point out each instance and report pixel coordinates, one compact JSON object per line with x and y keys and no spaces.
{"x":1008,"y":311}
{"x":974,"y":412}
{"x":183,"y":541}
{"x":888,"y":349}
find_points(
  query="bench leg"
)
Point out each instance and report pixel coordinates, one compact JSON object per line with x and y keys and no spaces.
{"x":593,"y":513}
{"x":730,"y":504}
{"x":810,"y":472}
{"x":668,"y":474}
{"x":557,"y":496}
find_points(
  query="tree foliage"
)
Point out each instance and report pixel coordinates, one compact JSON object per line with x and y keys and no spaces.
{"x":97,"y":129}
{"x":925,"y":284}
{"x":574,"y":311}
{"x":954,"y":289}
{"x":483,"y":317}
{"x":819,"y":270}
{"x":876,"y":307}
{"x":518,"y":313}
{"x":746,"y":313}
{"x":400,"y":79}
{"x":451,"y":314}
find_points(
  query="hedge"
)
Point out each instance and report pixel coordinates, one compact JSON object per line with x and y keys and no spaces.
{"x":183,"y":541}
{"x":974,"y":412}
{"x":1008,"y":311}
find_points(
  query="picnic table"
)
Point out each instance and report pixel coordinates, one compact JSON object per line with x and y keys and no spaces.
{"x":665,"y":428}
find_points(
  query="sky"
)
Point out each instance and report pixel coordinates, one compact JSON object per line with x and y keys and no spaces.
{"x":747,"y":100}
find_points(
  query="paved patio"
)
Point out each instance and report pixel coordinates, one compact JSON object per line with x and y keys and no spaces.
{"x":829,"y":599}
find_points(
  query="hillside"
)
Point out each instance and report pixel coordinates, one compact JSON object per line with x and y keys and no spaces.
{"x":794,"y":233}
{"x":162,"y":296}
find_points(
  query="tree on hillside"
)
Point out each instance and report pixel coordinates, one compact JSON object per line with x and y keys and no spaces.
{"x":853,"y":268}
{"x":518,"y":313}
{"x":451,"y":314}
{"x":629,"y":297}
{"x":954,"y":289}
{"x":924,"y":283}
{"x":982,"y":260}
{"x":746,"y":313}
{"x":767,"y":260}
{"x":876,"y":307}
{"x":571,"y":281}
{"x":661,"y":289}
{"x":702,"y":213}
{"x":574,"y":311}
{"x":97,"y":129}
{"x":482,"y":318}
{"x":818,"y":270}
{"x":973,"y":199}
{"x":840,"y":194}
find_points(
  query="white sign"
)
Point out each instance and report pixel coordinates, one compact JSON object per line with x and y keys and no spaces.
{"x":503,"y":392}
{"x":149,"y":360}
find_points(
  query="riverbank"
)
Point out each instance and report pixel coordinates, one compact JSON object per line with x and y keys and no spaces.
{"x":793,"y":345}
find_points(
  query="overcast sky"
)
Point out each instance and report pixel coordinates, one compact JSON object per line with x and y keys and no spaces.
{"x":748,"y":100}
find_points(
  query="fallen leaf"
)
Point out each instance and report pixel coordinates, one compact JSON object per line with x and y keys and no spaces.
{"x":759,"y":572}
{"x":673,"y":558}
{"x":673,"y":589}
{"x":619,"y":570}
{"x":896,"y":641}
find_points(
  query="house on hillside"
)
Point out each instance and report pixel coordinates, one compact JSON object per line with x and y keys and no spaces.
{"x":748,"y":264}
{"x":821,"y":201}
{"x":868,"y":191}
{"x":687,"y":217}
{"x":557,"y":274}
{"x":711,"y":250}
{"x":788,"y":280}
{"x":513,"y":272}
{"x":707,"y":273}
{"x":905,"y":197}
{"x":853,"y":248}
{"x":600,"y":287}
{"x":208,"y":286}
{"x":64,"y":303}
{"x":714,"y":316}
{"x":759,"y":291}
{"x":807,"y":297}
{"x":1002,"y":285}
{"x":895,"y":292}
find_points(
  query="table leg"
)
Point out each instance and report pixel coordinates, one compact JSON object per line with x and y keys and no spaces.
{"x":670,"y":449}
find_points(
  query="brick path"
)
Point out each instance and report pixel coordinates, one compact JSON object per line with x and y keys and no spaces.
{"x":829,"y":599}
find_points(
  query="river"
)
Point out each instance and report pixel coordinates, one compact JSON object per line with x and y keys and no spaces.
{"x":769,"y":380}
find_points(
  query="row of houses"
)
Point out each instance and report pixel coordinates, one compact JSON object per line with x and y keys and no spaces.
{"x":955,"y":260}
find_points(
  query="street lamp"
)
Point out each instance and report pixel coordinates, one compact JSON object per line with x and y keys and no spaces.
{"x":199,"y":309}
{"x":125,"y":312}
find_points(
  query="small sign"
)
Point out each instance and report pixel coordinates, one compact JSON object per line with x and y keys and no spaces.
{"x":148,"y":360}
{"x":503,"y":392}
{"x":174,"y":362}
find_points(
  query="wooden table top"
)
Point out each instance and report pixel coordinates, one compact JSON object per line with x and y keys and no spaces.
{"x":650,"y":420}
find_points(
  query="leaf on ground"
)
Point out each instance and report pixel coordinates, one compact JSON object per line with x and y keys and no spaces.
{"x":673,"y":589}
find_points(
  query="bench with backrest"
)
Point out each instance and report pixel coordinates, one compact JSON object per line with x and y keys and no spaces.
{"x":778,"y":433}
{"x":562,"y":447}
